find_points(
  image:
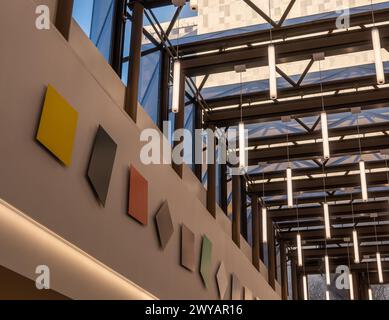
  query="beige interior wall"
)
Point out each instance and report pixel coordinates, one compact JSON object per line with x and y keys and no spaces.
{"x":26,"y":244}
{"x":61,"y":198}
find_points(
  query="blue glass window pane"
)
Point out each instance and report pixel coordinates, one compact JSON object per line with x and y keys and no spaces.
{"x":172,"y":119}
{"x":249,"y":226}
{"x":82,"y":13}
{"x":188,"y":148}
{"x":149,"y":84}
{"x":125,"y":72}
{"x":95,"y":17}
{"x":165,"y":14}
{"x":101,"y":29}
{"x":218,"y":171}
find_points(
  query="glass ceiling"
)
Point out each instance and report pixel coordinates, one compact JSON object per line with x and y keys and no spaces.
{"x":243,"y":29}
{"x":311,"y":78}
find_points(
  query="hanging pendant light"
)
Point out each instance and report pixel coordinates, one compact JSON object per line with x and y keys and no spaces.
{"x":300,"y":255}
{"x":272,"y":72}
{"x":305,"y":287}
{"x":370,"y":292}
{"x":327,"y":220}
{"x":264,"y":210}
{"x":323,"y":115}
{"x":375,"y":35}
{"x":176,"y":86}
{"x":326,"y":155}
{"x":350,"y":276}
{"x":327,"y":266}
{"x":264,"y":225}
{"x":356,"y":247}
{"x":362,"y":167}
{"x":299,"y":251}
{"x":299,"y":247}
{"x":326,"y":259}
{"x":378,"y":255}
{"x":242,"y":147}
{"x":242,"y":138}
{"x":379,"y":67}
{"x":324,"y":131}
{"x":289,"y":187}
{"x":177,"y":66}
{"x":271,"y":52}
{"x":351,"y":285}
{"x":379,"y":268}
{"x":362,"y":172}
{"x":355,"y":233}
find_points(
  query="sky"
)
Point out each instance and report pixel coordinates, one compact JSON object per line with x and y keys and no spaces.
{"x":166,"y":13}
{"x":82,"y":13}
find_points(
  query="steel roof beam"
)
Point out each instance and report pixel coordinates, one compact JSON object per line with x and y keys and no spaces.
{"x":318,"y":222}
{"x":316,"y":184}
{"x":286,"y":31}
{"x":276,"y":174}
{"x":273,"y":111}
{"x":287,"y":51}
{"x":342,"y":252}
{"x":252,"y":97}
{"x":150,"y":4}
{"x":335,"y":210}
{"x":317,"y":134}
{"x":311,"y":151}
{"x":329,"y":198}
{"x":335,"y":232}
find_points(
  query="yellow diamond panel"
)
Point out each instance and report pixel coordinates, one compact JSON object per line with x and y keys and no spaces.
{"x":57,"y":127}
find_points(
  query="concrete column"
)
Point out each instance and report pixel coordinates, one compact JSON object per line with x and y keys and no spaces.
{"x":294,"y":280}
{"x":223,"y":188}
{"x":284,"y":271}
{"x":271,"y":254}
{"x":255,"y":231}
{"x":300,"y":295}
{"x":164,"y":89}
{"x":356,"y":285}
{"x":198,"y":125}
{"x":260,"y":230}
{"x":119,"y":24}
{"x":179,"y":122}
{"x":131,"y":102}
{"x":211,"y":181}
{"x":236,"y":206}
{"x":243,"y":214}
{"x":63,"y":17}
